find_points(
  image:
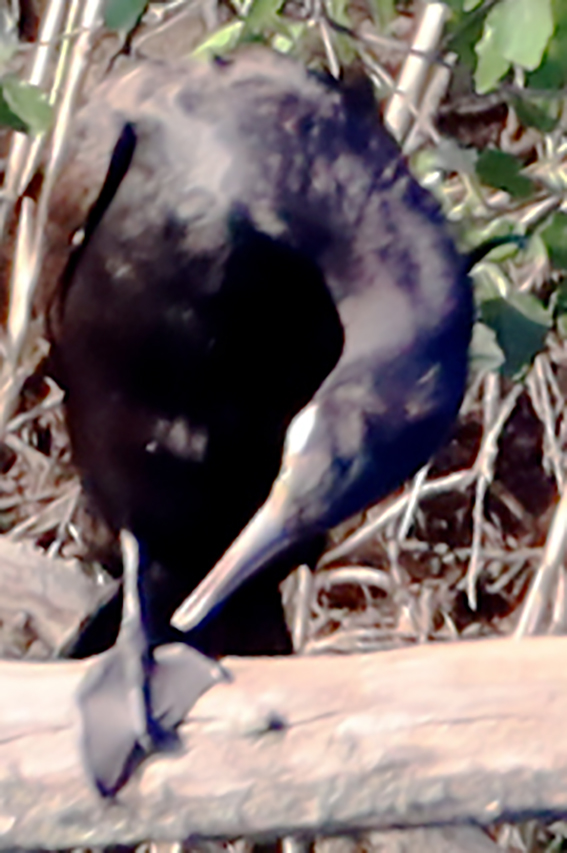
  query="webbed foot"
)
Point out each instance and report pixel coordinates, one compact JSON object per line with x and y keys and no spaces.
{"x":124,"y":722}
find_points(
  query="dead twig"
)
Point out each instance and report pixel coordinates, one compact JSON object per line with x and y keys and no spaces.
{"x":54,"y":595}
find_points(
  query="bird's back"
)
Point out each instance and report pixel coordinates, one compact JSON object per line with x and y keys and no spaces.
{"x":258,"y":238}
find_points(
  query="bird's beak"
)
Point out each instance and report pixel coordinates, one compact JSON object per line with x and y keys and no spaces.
{"x":263,"y":539}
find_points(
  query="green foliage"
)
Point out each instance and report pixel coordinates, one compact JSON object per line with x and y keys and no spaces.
{"x":8,"y":35}
{"x":383,"y":11}
{"x":8,"y":118}
{"x":501,"y":170}
{"x":339,"y":12}
{"x":520,"y":323}
{"x":492,"y":36}
{"x":515,"y":32}
{"x":23,"y":106}
{"x":554,"y":236}
{"x":263,"y":15}
{"x":489,"y":36}
{"x":484,"y":352}
{"x":552,"y":72}
{"x":123,"y":15}
{"x":260,"y":20}
{"x":491,"y":62}
{"x":464,"y":31}
{"x":220,"y":42}
{"x":541,"y":113}
{"x":560,"y":304}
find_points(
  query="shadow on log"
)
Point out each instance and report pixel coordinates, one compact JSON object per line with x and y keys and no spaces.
{"x":468,"y":732}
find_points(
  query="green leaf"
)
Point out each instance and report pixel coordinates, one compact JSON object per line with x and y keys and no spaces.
{"x":491,"y":65}
{"x":219,"y":42}
{"x":459,"y":7}
{"x":560,"y":296}
{"x":123,"y":15}
{"x":451,"y":157}
{"x":463,"y":33}
{"x":10,"y":119}
{"x":262,"y":16}
{"x":469,"y":5}
{"x":478,"y":234}
{"x":559,"y":299}
{"x":285,"y":42}
{"x":515,"y":32}
{"x":8,"y":35}
{"x":520,"y":323}
{"x":540,"y":113}
{"x":383,"y":11}
{"x":554,"y":235}
{"x":524,"y":30}
{"x":501,"y":170}
{"x":456,"y":7}
{"x":562,"y":325}
{"x":484,"y":353}
{"x":490,"y":282}
{"x":552,"y":72}
{"x":498,"y":247}
{"x":338,"y":10}
{"x":24,"y":106}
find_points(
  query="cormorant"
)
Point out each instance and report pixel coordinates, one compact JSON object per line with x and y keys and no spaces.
{"x":258,"y":268}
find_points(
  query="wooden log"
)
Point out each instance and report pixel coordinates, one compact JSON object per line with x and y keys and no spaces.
{"x":436,"y":734}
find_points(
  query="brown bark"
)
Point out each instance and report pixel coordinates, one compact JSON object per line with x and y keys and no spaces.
{"x":468,"y":732}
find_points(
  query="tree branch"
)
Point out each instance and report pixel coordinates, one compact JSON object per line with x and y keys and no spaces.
{"x":467,"y":732}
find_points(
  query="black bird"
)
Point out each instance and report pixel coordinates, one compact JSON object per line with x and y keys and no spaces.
{"x":257,"y":267}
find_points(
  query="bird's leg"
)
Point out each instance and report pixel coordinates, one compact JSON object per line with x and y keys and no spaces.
{"x":135,"y":696}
